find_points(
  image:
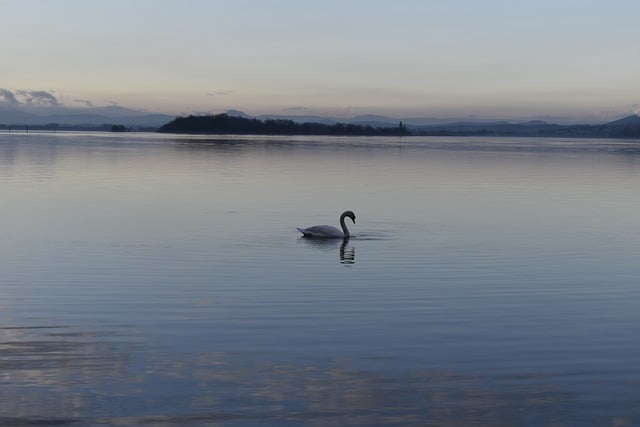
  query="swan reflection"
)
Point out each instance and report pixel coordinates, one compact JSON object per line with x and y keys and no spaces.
{"x":346,"y":251}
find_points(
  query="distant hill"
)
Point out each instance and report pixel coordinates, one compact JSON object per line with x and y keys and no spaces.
{"x":632,"y":120}
{"x":626,"y":127}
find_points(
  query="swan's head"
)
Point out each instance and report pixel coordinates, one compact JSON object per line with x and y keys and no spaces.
{"x":349,"y":214}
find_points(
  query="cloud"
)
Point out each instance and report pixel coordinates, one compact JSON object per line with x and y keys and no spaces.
{"x":220,"y":93}
{"x":8,"y":96}
{"x":86,"y":102}
{"x":29,"y":97}
{"x":636,"y":109}
{"x":39,"y":97}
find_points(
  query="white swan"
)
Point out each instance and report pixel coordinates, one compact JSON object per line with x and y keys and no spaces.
{"x":329,"y":231}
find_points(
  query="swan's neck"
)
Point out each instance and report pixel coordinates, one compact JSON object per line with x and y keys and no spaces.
{"x":345,"y":230}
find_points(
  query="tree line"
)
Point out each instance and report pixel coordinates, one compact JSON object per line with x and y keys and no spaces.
{"x":225,"y":124}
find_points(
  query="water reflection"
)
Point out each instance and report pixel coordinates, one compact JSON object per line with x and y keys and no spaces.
{"x":237,"y":389}
{"x":54,"y":374}
{"x":346,"y":248}
{"x":40,"y":155}
{"x":496,"y":284}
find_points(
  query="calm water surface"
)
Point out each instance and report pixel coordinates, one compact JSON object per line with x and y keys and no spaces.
{"x":159,"y":280}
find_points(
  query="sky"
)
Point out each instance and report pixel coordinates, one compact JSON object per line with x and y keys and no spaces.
{"x":505,"y":59}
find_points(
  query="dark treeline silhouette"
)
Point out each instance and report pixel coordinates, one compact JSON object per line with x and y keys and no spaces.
{"x":225,"y":124}
{"x":119,"y":128}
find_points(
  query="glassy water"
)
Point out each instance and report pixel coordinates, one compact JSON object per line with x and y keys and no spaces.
{"x":159,"y":280}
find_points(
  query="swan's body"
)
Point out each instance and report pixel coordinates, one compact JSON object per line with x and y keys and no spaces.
{"x":329,"y":231}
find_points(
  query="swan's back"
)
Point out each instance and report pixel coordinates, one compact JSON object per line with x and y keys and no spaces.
{"x":321,"y":231}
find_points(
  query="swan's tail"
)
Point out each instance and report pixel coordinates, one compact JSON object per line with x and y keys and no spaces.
{"x":303,"y":231}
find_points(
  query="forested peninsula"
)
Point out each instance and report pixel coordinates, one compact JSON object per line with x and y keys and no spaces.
{"x":225,"y":124}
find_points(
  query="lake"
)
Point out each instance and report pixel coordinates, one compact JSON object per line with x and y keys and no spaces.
{"x":159,"y":280}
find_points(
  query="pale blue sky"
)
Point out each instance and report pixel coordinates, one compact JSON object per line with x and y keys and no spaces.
{"x":491,"y":58}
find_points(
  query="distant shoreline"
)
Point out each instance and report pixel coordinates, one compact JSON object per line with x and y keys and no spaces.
{"x":108,"y":127}
{"x":224,"y":124}
{"x":220,"y":124}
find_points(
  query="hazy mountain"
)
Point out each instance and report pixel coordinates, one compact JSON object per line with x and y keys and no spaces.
{"x":301,"y":118}
{"x":632,"y":120}
{"x":236,"y":113}
{"x":91,"y":116}
{"x":12,"y":116}
{"x":627,"y":127}
{"x":364,"y":120}
{"x":295,"y":118}
{"x":31,"y":115}
{"x":373,"y":120}
{"x":378,"y":120}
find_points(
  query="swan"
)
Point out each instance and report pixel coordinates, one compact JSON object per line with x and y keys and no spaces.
{"x":329,"y":231}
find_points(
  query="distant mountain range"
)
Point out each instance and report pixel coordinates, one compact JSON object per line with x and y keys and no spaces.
{"x":239,"y":123}
{"x":624,"y":127}
{"x":81,"y":117}
{"x":96,"y":116}
{"x":101,"y":118}
{"x":627,"y":127}
{"x":363,"y":120}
